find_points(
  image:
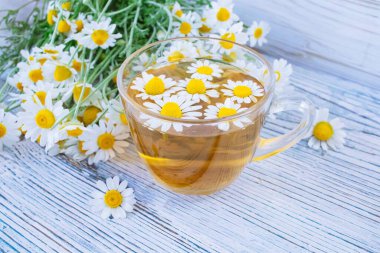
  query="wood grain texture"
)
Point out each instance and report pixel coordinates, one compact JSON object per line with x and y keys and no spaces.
{"x":297,"y":201}
{"x":337,"y":36}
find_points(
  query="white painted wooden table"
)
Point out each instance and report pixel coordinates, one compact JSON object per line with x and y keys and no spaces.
{"x":297,"y":201}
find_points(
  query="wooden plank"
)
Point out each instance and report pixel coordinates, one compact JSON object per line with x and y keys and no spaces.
{"x":297,"y":201}
{"x":340,"y":37}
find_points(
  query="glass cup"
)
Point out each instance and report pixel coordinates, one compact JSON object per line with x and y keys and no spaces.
{"x":205,"y":157}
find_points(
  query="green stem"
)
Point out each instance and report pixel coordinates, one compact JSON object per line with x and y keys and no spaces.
{"x":120,"y":11}
{"x":104,"y":9}
{"x":132,"y":29}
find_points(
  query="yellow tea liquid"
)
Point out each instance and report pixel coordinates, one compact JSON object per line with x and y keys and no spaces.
{"x":201,"y":159}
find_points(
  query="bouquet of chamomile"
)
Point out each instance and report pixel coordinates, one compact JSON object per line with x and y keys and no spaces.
{"x":62,"y":63}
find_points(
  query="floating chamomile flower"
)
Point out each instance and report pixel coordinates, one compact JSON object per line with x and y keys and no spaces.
{"x":114,"y":198}
{"x":326,"y":133}
{"x":221,"y":15}
{"x":257,"y":33}
{"x":37,"y":92}
{"x":226,"y":109}
{"x":9,"y":129}
{"x":178,"y":51}
{"x":104,"y":140}
{"x":177,"y":10}
{"x":116,"y":114}
{"x":204,"y":69}
{"x":197,"y":89}
{"x":98,"y":34}
{"x":30,"y":73}
{"x":243,"y":91}
{"x":234,"y":34}
{"x":174,"y":107}
{"x":187,"y":25}
{"x":152,"y":86}
{"x":282,"y":71}
{"x":38,"y":120}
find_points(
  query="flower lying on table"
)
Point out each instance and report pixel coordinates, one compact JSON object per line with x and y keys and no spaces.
{"x":114,"y":198}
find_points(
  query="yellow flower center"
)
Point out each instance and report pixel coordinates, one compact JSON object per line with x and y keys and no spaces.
{"x":230,"y":37}
{"x":196,"y":86}
{"x":242,"y":91}
{"x":106,"y":141}
{"x":36,"y":75}
{"x":45,"y":119}
{"x":3,"y":130}
{"x":80,"y":148}
{"x":155,"y":86}
{"x":123,"y":118}
{"x":171,"y":109}
{"x":205,"y":70}
{"x":61,"y":144}
{"x":223,"y":14}
{"x":90,"y":114}
{"x":185,"y":28}
{"x":63,"y":26}
{"x":323,"y":131}
{"x":99,"y":37}
{"x":42,"y":61}
{"x":19,"y":86}
{"x":79,"y":24}
{"x":176,"y":56}
{"x":50,"y":16}
{"x":62,"y":73}
{"x":74,"y":132}
{"x":50,"y":51}
{"x":76,"y":65}
{"x":113,"y":198}
{"x":179,"y":13}
{"x":41,"y":95}
{"x":204,"y":29}
{"x":66,"y":6}
{"x":258,"y":33}
{"x":278,"y":75}
{"x":77,"y":90}
{"x":225,"y":112}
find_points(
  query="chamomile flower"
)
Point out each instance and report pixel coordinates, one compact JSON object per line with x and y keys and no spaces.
{"x":175,"y":107}
{"x":50,"y":52}
{"x":58,"y":72}
{"x":205,"y":28}
{"x":81,"y":91}
{"x":116,"y":114}
{"x":197,"y":89}
{"x":28,"y":56}
{"x":66,"y":26}
{"x":326,"y":133}
{"x":226,"y":109}
{"x":142,"y":62}
{"x":257,"y":33}
{"x":38,"y":120}
{"x":104,"y":140}
{"x":52,"y":13}
{"x":114,"y":198}
{"x":37,"y":92}
{"x":30,"y":73}
{"x":234,"y":34}
{"x":98,"y":34}
{"x":178,"y":51}
{"x":187,"y":25}
{"x":204,"y":69}
{"x":15,"y":81}
{"x":153,"y":87}
{"x":71,"y":129}
{"x":177,"y":10}
{"x":74,"y":149}
{"x":221,"y":14}
{"x":77,"y":62}
{"x":243,"y":91}
{"x":9,"y":129}
{"x":282,"y":70}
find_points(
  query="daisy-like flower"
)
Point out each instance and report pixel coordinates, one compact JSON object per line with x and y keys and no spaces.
{"x":141,"y":63}
{"x":177,"y":10}
{"x":28,"y":56}
{"x":221,"y":15}
{"x":204,"y":69}
{"x":204,"y":29}
{"x":49,"y":52}
{"x":98,"y":34}
{"x":178,"y":51}
{"x":197,"y":89}
{"x":282,"y":70}
{"x":30,"y":73}
{"x":66,"y":26}
{"x":38,"y":120}
{"x":257,"y":33}
{"x":104,"y":141}
{"x":243,"y":91}
{"x":187,"y":25}
{"x":175,"y":107}
{"x":116,"y":114}
{"x":77,"y":63}
{"x":15,"y":81}
{"x":37,"y":92}
{"x":74,"y":149}
{"x":226,"y":109}
{"x":70,"y":129}
{"x":58,"y":72}
{"x":153,"y":87}
{"x":114,"y":198}
{"x":80,"y":89}
{"x":9,"y":129}
{"x":326,"y":133}
{"x":234,"y":34}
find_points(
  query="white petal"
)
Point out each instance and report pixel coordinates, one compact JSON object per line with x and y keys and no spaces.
{"x":106,"y":213}
{"x":123,"y":185}
{"x":102,"y":186}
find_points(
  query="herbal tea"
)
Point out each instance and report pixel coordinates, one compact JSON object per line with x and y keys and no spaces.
{"x":193,"y":158}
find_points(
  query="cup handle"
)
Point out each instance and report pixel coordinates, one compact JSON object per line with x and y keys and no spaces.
{"x":273,"y":146}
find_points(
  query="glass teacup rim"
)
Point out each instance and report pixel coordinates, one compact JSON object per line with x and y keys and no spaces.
{"x":142,"y":109}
